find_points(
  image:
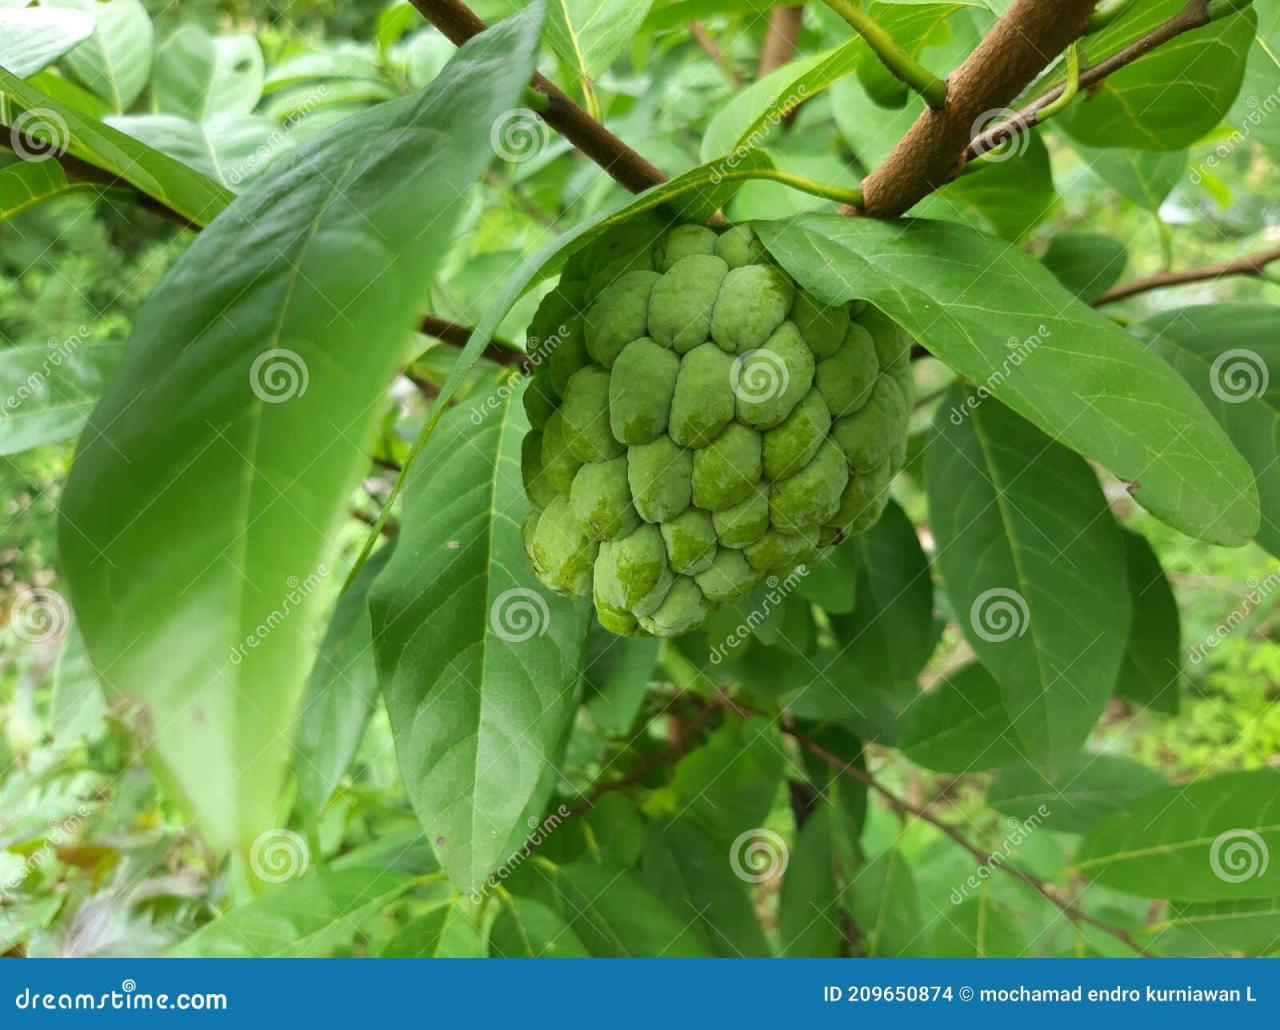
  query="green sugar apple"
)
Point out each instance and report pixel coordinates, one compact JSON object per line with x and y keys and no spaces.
{"x":699,"y":423}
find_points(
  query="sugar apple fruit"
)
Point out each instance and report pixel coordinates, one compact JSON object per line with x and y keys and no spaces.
{"x":700,"y":422}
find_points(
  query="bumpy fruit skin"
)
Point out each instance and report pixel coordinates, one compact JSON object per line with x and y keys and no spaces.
{"x":700,"y":422}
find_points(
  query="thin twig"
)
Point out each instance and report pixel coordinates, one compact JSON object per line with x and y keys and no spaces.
{"x":1249,"y":265}
{"x":703,"y":38}
{"x":905,"y":68}
{"x":1193,"y":16}
{"x":459,"y":23}
{"x":497,"y":351}
{"x":780,"y":38}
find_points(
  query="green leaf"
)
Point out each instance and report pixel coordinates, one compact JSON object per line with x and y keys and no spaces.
{"x":960,"y":726}
{"x":243,"y":393}
{"x":33,"y":38}
{"x":695,"y":878}
{"x":1033,"y":564}
{"x":810,"y":909}
{"x":443,"y":932}
{"x":525,"y":928}
{"x":727,"y":785}
{"x":1146,"y":177}
{"x":870,"y":679}
{"x":115,"y":62}
{"x":1073,"y":372}
{"x":981,"y":927}
{"x":50,"y":389}
{"x":831,"y":582}
{"x":1229,"y":354}
{"x":1152,"y":666}
{"x":310,"y":916}
{"x":1220,"y":928}
{"x":1171,"y":96}
{"x":1211,"y":840}
{"x":886,"y":907}
{"x":614,"y":916}
{"x":341,"y":694}
{"x":24,"y":184}
{"x":1084,"y":791}
{"x":478,"y":663}
{"x":77,"y":706}
{"x":1086,"y":263}
{"x":200,"y":77}
{"x":589,"y":35}
{"x":1251,"y":112}
{"x":228,"y":149}
{"x":62,"y":127}
{"x":617,"y":673}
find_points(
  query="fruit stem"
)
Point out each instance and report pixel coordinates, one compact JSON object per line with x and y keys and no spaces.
{"x":903,"y":66}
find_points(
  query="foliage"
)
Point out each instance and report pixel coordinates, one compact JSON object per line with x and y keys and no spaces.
{"x":276,"y":677}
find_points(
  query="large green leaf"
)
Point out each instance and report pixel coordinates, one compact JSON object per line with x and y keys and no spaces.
{"x":525,"y":928}
{"x":199,"y":76}
{"x":614,"y":916}
{"x":1082,"y":793}
{"x":1212,"y":840}
{"x":980,"y":927}
{"x":1146,"y":177}
{"x":1170,"y":97}
{"x":961,"y":726}
{"x":886,"y":907}
{"x":341,"y":694}
{"x":695,"y":878}
{"x":1230,"y":355}
{"x":1220,"y":928}
{"x":1070,"y":370}
{"x":1252,"y":111}
{"x":304,"y":918}
{"x":246,"y":396}
{"x":480,"y":666}
{"x":114,"y":62}
{"x":37,"y":36}
{"x":49,"y":390}
{"x":444,"y":931}
{"x":1033,"y":564}
{"x":1152,"y":665}
{"x":811,"y":916}
{"x":1086,"y":263}
{"x":617,"y":673}
{"x":228,"y":149}
{"x":62,"y":127}
{"x":588,"y":35}
{"x":24,"y":184}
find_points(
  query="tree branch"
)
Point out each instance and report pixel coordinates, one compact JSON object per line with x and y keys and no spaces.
{"x":1193,"y":16}
{"x":1249,"y":265}
{"x":497,"y":351}
{"x":459,"y":23}
{"x":703,"y":38}
{"x":901,"y":65}
{"x":780,"y":38}
{"x":1022,"y":44}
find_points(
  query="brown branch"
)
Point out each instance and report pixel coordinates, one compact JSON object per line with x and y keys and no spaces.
{"x":82,"y":171}
{"x":1250,"y":265}
{"x":703,"y":38}
{"x":1022,"y":44}
{"x":904,"y":807}
{"x":1193,"y":16}
{"x":497,"y":351}
{"x":459,"y":23}
{"x":780,"y":38}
